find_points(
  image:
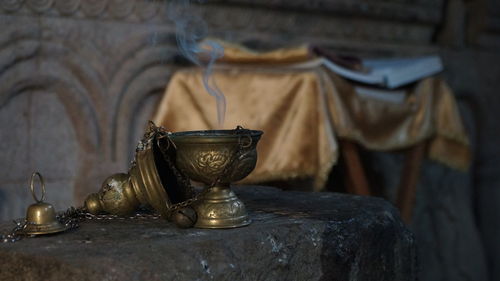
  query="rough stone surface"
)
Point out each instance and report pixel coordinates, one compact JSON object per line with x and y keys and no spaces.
{"x":294,"y":236}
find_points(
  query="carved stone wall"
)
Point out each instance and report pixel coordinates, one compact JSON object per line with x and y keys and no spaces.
{"x":79,"y":78}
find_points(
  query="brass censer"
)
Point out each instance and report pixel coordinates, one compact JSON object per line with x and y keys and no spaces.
{"x":165,"y":163}
{"x":217,"y":158}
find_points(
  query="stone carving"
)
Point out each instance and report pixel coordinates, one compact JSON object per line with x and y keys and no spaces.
{"x":145,"y":10}
{"x":67,"y":7}
{"x":76,"y":64}
{"x":117,"y":9}
{"x":241,"y":18}
{"x":93,"y":8}
{"x":11,"y":5}
{"x":39,"y":6}
{"x":121,"y":8}
{"x":424,"y":11}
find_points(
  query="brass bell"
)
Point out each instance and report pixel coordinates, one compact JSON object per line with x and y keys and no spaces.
{"x":41,"y":216}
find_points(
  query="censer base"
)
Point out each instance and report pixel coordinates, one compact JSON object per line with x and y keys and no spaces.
{"x":220,"y":208}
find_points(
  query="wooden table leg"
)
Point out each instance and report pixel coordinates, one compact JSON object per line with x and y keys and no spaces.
{"x":409,"y":179}
{"x":357,"y":182}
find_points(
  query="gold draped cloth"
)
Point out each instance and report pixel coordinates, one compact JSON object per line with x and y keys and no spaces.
{"x":303,"y":108}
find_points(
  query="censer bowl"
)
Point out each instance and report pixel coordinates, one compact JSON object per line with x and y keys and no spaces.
{"x":217,"y":158}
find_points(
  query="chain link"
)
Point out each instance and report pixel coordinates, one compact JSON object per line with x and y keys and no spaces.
{"x":16,"y":233}
{"x":71,"y":219}
{"x":188,"y":203}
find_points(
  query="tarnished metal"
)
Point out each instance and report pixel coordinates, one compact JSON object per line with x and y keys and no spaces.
{"x":41,"y":216}
{"x":116,"y":196}
{"x":152,"y":181}
{"x":159,"y":177}
{"x":185,"y":217}
{"x":217,"y":158}
{"x":165,"y":163}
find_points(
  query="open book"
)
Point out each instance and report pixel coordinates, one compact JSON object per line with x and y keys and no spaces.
{"x":390,"y":73}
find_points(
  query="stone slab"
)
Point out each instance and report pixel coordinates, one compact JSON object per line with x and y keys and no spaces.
{"x":294,"y":236}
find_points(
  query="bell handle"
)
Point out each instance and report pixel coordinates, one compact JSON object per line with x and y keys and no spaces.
{"x":32,"y":187}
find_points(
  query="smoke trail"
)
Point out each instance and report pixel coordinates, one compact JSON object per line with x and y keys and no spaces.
{"x":190,"y":30}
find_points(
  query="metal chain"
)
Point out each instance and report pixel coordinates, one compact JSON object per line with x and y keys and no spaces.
{"x":185,"y":182}
{"x":73,"y":216}
{"x":188,"y":203}
{"x":136,"y":216}
{"x":16,"y":233}
{"x":71,"y":219}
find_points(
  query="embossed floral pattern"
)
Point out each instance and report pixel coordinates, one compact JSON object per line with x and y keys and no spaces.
{"x":206,"y":165}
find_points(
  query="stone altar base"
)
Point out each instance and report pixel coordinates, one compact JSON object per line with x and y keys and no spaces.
{"x":294,"y":236}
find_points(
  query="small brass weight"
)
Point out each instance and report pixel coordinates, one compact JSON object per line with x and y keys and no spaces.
{"x":41,"y":216}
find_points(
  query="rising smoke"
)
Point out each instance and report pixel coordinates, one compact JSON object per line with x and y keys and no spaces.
{"x":191,"y":31}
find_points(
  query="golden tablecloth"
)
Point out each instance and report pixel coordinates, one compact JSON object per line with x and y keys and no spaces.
{"x":303,"y":108}
{"x":429,"y":111}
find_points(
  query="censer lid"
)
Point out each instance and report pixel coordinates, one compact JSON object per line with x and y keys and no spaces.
{"x":154,"y":177}
{"x":41,"y":217}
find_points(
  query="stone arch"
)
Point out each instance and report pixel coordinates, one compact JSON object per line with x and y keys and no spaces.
{"x":146,"y":71}
{"x":29,"y":65}
{"x":29,"y":58}
{"x":150,"y":82}
{"x":23,"y":75}
{"x":84,"y":60}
